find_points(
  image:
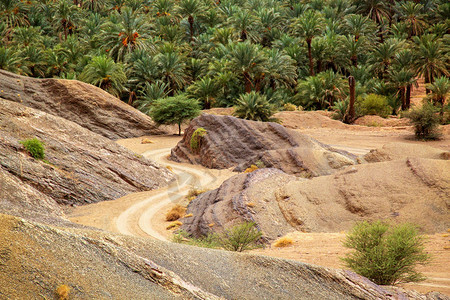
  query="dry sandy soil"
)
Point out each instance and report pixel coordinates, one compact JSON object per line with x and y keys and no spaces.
{"x":142,"y":214}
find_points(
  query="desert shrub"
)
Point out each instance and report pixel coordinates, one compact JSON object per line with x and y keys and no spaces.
{"x":194,"y":193}
{"x":340,"y":109}
{"x":35,"y":147}
{"x":254,"y":106}
{"x":283,"y":242}
{"x":260,"y":164}
{"x":196,"y":138}
{"x":425,"y":121}
{"x":174,"y":224}
{"x":385,"y":254}
{"x":240,"y":237}
{"x":374,"y":105}
{"x":289,"y":107}
{"x":251,"y":169}
{"x":62,"y":292}
{"x":208,"y":241}
{"x":175,"y":213}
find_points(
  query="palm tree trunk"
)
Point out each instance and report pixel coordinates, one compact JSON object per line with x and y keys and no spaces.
{"x":408,"y":96}
{"x":311,"y":65}
{"x":403,"y":98}
{"x":179,"y":128}
{"x":248,"y":83}
{"x":351,"y":107}
{"x":191,"y":26}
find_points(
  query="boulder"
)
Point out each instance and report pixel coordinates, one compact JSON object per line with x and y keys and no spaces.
{"x":232,"y":142}
{"x":79,"y":102}
{"x":80,"y":166}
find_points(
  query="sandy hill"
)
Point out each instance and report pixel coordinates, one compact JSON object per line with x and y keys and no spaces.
{"x":82,"y":166}
{"x":82,"y":103}
{"x":232,"y":142}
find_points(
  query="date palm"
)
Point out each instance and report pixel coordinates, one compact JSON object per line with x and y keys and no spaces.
{"x":307,"y":26}
{"x":245,"y":22}
{"x":204,"y":90}
{"x":33,"y":58}
{"x":374,"y":9}
{"x":171,"y":70}
{"x":130,"y":31}
{"x":440,"y":90}
{"x":358,"y":25}
{"x":66,"y":16}
{"x":249,"y":61}
{"x":383,"y":55}
{"x":411,"y":14}
{"x":9,"y":60}
{"x":103,"y":72}
{"x":401,"y":79}
{"x":254,"y":106}
{"x":190,"y":9}
{"x":281,"y":70}
{"x":430,"y":59}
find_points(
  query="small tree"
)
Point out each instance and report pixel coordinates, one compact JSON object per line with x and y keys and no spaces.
{"x":386,"y":255}
{"x":240,"y":237}
{"x":174,"y":110}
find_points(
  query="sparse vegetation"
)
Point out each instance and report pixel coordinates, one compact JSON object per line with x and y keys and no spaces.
{"x":196,"y":138}
{"x":62,"y":292}
{"x":386,"y":254}
{"x":174,"y":225}
{"x":375,"y":105}
{"x":425,"y":121}
{"x":35,"y":147}
{"x":284,"y":241}
{"x":238,"y":238}
{"x":175,"y":213}
{"x":194,"y":193}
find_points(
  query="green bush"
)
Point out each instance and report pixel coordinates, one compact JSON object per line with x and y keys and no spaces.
{"x":387,"y":255}
{"x":240,"y":237}
{"x":254,"y":106}
{"x":425,"y":121}
{"x":196,"y":138}
{"x":374,"y":105}
{"x":35,"y":147}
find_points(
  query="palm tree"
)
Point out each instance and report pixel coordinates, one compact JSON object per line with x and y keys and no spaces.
{"x":352,"y":48}
{"x":33,"y":58}
{"x":150,"y":93}
{"x":245,"y":22}
{"x":430,"y":59}
{"x":9,"y":60}
{"x":130,"y":32}
{"x":308,"y":25}
{"x":56,"y":61}
{"x":358,"y":25}
{"x":374,"y":9}
{"x":281,"y":70}
{"x":383,"y":55}
{"x":204,"y":90}
{"x":13,"y":13}
{"x":103,"y":72}
{"x":67,"y":15}
{"x":190,"y":9}
{"x":248,"y":60}
{"x":172,"y":70}
{"x":254,"y":106}
{"x":411,"y":14}
{"x":440,"y":89}
{"x":401,"y":79}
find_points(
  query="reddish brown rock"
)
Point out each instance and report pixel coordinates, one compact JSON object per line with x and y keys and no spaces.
{"x":232,"y":142}
{"x":79,"y":102}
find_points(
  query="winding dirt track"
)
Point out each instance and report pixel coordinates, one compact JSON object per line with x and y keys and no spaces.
{"x":141,"y":213}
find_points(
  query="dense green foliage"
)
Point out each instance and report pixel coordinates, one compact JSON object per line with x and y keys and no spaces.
{"x":196,"y":138}
{"x":215,"y":51}
{"x":174,"y":110}
{"x":386,"y":254}
{"x":35,"y":147}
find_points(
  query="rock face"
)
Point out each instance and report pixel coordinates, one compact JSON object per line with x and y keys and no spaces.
{"x":233,"y":142}
{"x":279,"y":203}
{"x":82,"y":167}
{"x":84,"y":104}
{"x":36,"y":259}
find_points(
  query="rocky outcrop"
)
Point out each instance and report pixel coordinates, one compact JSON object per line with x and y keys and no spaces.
{"x":279,"y":203}
{"x":36,"y":259}
{"x":82,"y":103}
{"x":233,"y":142}
{"x":80,"y":167}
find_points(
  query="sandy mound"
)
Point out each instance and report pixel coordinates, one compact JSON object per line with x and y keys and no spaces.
{"x":83,"y":167}
{"x":308,"y":120}
{"x":279,"y":203}
{"x":84,"y":104}
{"x":393,"y":151}
{"x":233,"y":142}
{"x":377,"y":121}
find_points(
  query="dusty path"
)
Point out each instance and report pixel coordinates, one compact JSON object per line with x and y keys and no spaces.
{"x":142,"y":214}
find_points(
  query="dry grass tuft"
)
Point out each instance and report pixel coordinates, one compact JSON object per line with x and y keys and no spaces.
{"x":211,"y":224}
{"x":146,"y":141}
{"x":169,"y":168}
{"x":175,"y":213}
{"x":188,"y":215}
{"x":62,"y":292}
{"x":194,"y":193}
{"x":251,"y":169}
{"x":284,"y":241}
{"x":174,"y":225}
{"x":251,"y":204}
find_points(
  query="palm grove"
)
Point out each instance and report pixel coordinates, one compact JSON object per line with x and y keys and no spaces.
{"x":257,"y":55}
